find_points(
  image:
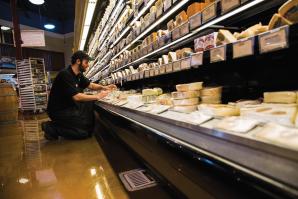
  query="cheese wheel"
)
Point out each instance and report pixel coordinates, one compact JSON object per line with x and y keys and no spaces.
{"x":196,"y":86}
{"x":185,"y":109}
{"x":289,"y":10}
{"x":186,"y":102}
{"x":185,"y":95}
{"x":211,"y":99}
{"x":211,"y":91}
{"x":280,"y":97}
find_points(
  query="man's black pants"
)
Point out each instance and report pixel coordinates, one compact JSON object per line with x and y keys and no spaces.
{"x":73,"y":123}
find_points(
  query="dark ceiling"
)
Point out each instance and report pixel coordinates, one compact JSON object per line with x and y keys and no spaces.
{"x":61,"y":13}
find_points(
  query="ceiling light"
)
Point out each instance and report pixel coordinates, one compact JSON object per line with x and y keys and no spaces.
{"x":23,"y":180}
{"x":49,"y":26}
{"x":37,"y":2}
{"x":5,"y":28}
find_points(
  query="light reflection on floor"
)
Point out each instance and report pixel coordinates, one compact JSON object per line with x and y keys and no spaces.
{"x":32,"y":168}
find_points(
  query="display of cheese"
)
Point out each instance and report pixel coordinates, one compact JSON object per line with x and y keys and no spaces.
{"x":277,"y":21}
{"x":195,"y":8}
{"x":252,"y":31}
{"x":244,"y":103}
{"x":171,"y":25}
{"x":172,"y":56}
{"x":186,"y":102}
{"x":181,"y":18}
{"x":278,"y":134}
{"x":185,"y":95}
{"x":283,"y":114}
{"x":211,"y":99}
{"x":219,"y":110}
{"x":225,"y":37}
{"x":185,"y":109}
{"x":211,"y":91}
{"x":290,"y":10}
{"x":196,"y":86}
{"x":237,"y":124}
{"x":154,"y":91}
{"x":164,"y":99}
{"x":134,"y":98}
{"x":280,"y":97}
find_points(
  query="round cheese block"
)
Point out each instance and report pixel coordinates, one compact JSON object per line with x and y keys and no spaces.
{"x":196,"y":86}
{"x":211,"y":91}
{"x":185,"y":109}
{"x":185,"y":95}
{"x":186,"y":102}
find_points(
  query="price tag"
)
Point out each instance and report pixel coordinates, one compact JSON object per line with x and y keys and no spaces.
{"x":156,"y":71}
{"x":147,"y":73}
{"x":177,"y":65}
{"x":243,"y":48}
{"x":197,"y":59}
{"x":176,"y":33}
{"x":185,"y":63}
{"x":227,"y":5}
{"x":209,"y":12}
{"x":184,"y":29}
{"x":162,"y":69}
{"x":151,"y":72}
{"x":218,"y":54}
{"x":274,"y":40}
{"x":195,"y":21}
{"x":169,"y":68}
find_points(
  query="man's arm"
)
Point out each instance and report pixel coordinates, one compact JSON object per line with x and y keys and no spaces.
{"x":81,"y":97}
{"x":97,"y":87}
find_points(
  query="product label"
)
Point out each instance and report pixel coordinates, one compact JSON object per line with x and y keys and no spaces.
{"x":185,"y":63}
{"x":218,"y":54}
{"x":169,"y":68}
{"x":197,"y":59}
{"x":209,"y":12}
{"x":227,"y":5}
{"x":274,"y":40}
{"x":243,"y":48}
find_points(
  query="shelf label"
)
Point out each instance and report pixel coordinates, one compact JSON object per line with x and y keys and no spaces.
{"x":151,"y":72}
{"x":184,"y":29}
{"x":141,"y":74}
{"x":195,"y":21}
{"x":274,"y":40}
{"x":209,"y":12}
{"x":169,"y":68}
{"x":185,"y":63}
{"x":147,"y":73}
{"x":176,"y":33}
{"x":156,"y":71}
{"x":197,"y":59}
{"x":162,"y":69}
{"x":177,"y":65}
{"x":227,"y":5}
{"x":243,"y":48}
{"x":218,"y":54}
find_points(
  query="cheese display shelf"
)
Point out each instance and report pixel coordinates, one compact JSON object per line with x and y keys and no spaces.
{"x":246,"y":156}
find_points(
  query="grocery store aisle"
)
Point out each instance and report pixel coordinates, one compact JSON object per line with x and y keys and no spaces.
{"x":31,"y":167}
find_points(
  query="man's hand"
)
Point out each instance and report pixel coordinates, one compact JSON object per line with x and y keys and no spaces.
{"x":102,"y":94}
{"x":111,"y":87}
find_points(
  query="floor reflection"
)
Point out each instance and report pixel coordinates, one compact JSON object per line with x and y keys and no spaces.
{"x":33,"y":168}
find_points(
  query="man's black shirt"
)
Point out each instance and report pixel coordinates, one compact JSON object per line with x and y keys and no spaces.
{"x":65,"y":86}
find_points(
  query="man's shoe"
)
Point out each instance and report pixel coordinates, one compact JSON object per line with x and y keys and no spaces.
{"x":46,"y":130}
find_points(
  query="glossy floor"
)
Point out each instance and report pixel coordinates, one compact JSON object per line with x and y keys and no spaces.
{"x":32,"y":168}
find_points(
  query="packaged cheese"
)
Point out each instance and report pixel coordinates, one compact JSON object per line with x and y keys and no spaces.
{"x":181,"y":18}
{"x":165,"y":59}
{"x":194,"y":8}
{"x":154,"y":91}
{"x":225,"y":37}
{"x":199,"y":44}
{"x":237,"y":124}
{"x":185,"y":109}
{"x":172,"y":56}
{"x":277,"y":21}
{"x":185,"y":95}
{"x":186,"y":102}
{"x":280,"y":97}
{"x":164,"y":99}
{"x":196,"y":86}
{"x":290,"y":10}
{"x":210,"y":41}
{"x":171,"y":25}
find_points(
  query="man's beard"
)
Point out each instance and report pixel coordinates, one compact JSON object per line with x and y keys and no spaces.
{"x":81,"y":68}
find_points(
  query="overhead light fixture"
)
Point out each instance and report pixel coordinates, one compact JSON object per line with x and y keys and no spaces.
{"x":5,"y":28}
{"x":37,"y":2}
{"x":49,"y":26}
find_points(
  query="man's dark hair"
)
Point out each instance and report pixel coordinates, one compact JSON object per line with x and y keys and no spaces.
{"x":81,"y":55}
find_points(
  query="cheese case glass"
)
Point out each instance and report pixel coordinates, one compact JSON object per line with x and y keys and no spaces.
{"x":210,"y":80}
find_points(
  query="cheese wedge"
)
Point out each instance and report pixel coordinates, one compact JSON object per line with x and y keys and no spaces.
{"x":199,"y":44}
{"x":171,"y":25}
{"x":153,"y":10}
{"x":186,"y":102}
{"x":280,"y":97}
{"x":225,"y":37}
{"x":211,"y":99}
{"x":289,"y":10}
{"x":186,"y":52}
{"x":219,"y":110}
{"x":164,"y":99}
{"x":179,"y":54}
{"x":181,"y":18}
{"x":196,"y":86}
{"x":185,"y":109}
{"x":165,"y":59}
{"x":172,"y":56}
{"x":148,"y":92}
{"x":252,"y":31}
{"x":277,"y":21}
{"x":160,"y":61}
{"x":185,"y":95}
